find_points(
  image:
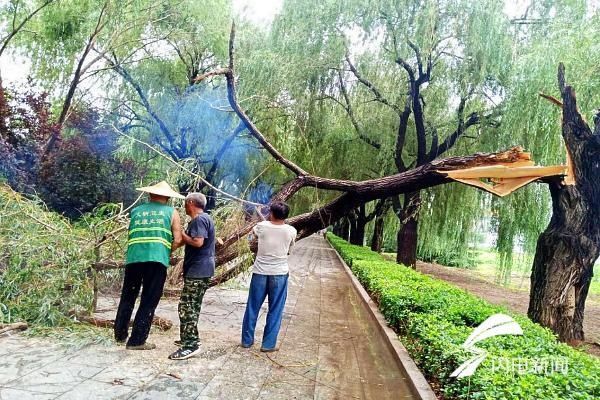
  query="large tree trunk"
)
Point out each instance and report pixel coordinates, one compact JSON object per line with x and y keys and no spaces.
{"x":406,"y":253}
{"x":343,"y":228}
{"x":567,"y":249}
{"x":407,"y":237}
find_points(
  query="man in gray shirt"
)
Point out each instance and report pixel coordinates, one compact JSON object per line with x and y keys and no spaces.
{"x":198,"y":268}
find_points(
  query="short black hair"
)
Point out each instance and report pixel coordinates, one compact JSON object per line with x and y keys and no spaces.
{"x":279,"y":209}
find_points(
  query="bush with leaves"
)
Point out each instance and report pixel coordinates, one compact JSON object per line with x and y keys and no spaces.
{"x":433,"y":319}
{"x":25,"y":125}
{"x":83,"y":171}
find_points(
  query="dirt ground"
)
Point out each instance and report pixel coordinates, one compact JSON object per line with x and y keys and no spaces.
{"x":516,"y":300}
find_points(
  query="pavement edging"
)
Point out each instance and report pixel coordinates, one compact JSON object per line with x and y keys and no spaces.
{"x":418,"y":384}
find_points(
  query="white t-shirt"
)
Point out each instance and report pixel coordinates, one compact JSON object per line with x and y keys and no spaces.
{"x":274,"y":244}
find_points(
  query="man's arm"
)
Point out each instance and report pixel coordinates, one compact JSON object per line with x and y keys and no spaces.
{"x":195,"y":242}
{"x":198,"y":231}
{"x":293,"y":241}
{"x":176,"y":230}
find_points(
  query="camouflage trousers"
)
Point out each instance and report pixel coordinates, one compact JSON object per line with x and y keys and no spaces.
{"x":189,"y":308}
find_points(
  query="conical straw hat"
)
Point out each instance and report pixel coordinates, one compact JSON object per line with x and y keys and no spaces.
{"x":161,"y":189}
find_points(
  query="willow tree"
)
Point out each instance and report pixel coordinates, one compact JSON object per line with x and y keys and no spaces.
{"x":409,"y":79}
{"x":15,"y":15}
{"x":558,"y":293}
{"x":160,"y":99}
{"x":568,"y":248}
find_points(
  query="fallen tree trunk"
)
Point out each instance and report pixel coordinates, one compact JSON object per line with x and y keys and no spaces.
{"x":357,"y":193}
{"x":17,"y":326}
{"x":428,"y":175}
{"x":568,"y":248}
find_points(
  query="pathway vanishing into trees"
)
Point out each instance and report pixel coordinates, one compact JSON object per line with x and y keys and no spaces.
{"x":330,"y":348}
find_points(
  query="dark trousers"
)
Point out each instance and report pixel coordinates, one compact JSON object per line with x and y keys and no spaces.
{"x":150,"y":277}
{"x":190,"y":305}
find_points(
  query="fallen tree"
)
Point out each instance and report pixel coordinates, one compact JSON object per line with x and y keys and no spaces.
{"x":566,"y":251}
{"x":355,"y":193}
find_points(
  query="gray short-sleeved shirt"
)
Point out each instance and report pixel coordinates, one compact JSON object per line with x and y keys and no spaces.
{"x":199,"y":262}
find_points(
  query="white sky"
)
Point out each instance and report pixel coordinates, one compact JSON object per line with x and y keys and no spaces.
{"x":259,"y":12}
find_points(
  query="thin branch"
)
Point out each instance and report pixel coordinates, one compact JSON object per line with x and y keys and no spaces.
{"x":18,"y":28}
{"x":146,"y":103}
{"x":350,"y":113}
{"x":195,"y":175}
{"x":254,"y":131}
{"x":378,"y":96}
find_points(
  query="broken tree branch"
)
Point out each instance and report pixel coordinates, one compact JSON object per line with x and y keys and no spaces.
{"x":552,"y":99}
{"x":254,"y":131}
{"x":17,"y":326}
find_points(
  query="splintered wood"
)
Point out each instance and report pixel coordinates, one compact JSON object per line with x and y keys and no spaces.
{"x":506,"y":177}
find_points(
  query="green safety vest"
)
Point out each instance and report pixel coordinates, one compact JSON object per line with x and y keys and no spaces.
{"x":150,"y":235}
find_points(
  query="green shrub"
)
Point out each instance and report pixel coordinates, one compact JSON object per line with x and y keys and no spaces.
{"x":45,"y":260}
{"x":433,"y":319}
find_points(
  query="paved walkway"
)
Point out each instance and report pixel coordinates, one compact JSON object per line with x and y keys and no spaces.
{"x":329,"y":349}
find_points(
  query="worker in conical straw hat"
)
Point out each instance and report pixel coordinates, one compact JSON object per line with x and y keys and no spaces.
{"x":154,"y":230}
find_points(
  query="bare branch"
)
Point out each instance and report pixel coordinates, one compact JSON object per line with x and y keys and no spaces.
{"x":254,"y":131}
{"x":378,"y":96}
{"x":350,"y":113}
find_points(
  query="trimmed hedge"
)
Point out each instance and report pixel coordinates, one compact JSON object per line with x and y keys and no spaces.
{"x":433,"y":319}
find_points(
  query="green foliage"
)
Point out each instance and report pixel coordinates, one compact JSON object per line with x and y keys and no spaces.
{"x":433,"y":319}
{"x":533,"y":122}
{"x":471,"y":44}
{"x":44,"y":263}
{"x":83,"y":171}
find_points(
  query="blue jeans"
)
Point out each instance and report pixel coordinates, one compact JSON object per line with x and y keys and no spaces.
{"x":261,"y":286}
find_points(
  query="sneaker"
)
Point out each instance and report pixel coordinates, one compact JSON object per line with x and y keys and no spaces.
{"x":246,"y":346}
{"x":177,"y":342}
{"x":145,"y":346}
{"x":183,"y":354}
{"x":269,"y":350}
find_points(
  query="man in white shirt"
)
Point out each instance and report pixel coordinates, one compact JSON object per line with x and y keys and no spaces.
{"x":270,"y":276}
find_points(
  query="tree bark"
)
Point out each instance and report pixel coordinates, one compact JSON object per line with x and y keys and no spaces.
{"x":344,"y":228}
{"x":408,"y":233}
{"x":377,"y":238}
{"x":567,"y":249}
{"x":357,"y":231}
